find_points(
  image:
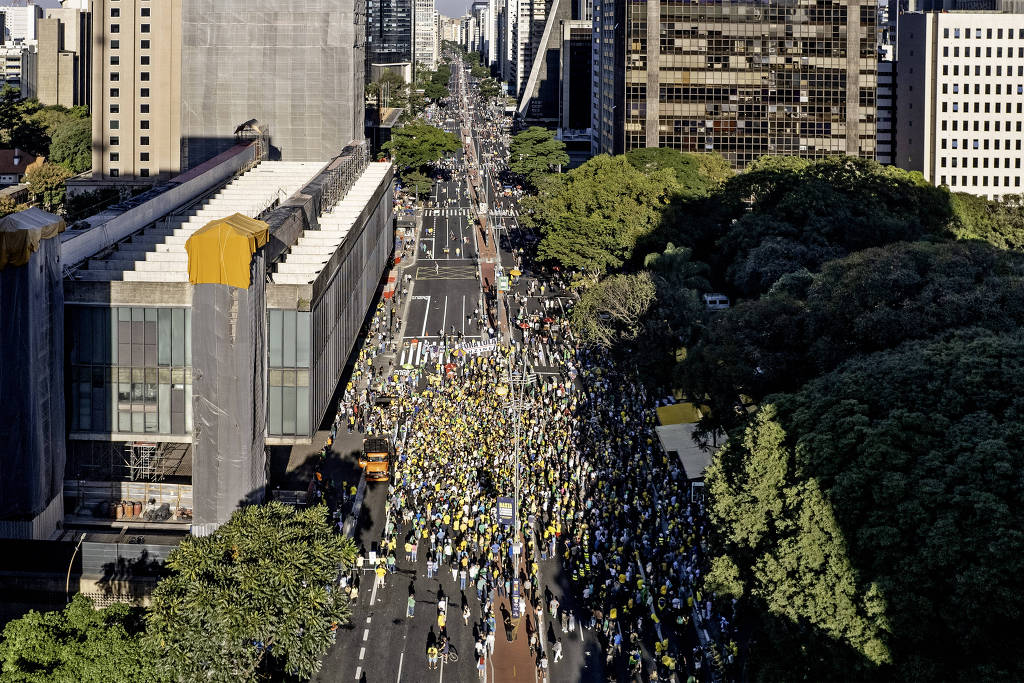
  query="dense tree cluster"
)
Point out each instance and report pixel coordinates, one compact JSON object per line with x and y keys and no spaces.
{"x":414,"y":147}
{"x":254,"y":601}
{"x":866,"y":507}
{"x":62,"y":135}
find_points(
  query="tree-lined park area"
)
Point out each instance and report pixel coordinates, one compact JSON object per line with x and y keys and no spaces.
{"x":867,"y":377}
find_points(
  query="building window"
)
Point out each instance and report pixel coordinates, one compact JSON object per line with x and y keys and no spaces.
{"x":115,"y":28}
{"x":144,"y":44}
{"x":114,"y":156}
{"x":115,"y":92}
{"x":144,"y":140}
{"x":144,"y":12}
{"x":144,"y":76}
{"x":115,"y":44}
{"x":144,"y":60}
{"x":144,"y":124}
{"x":143,"y":108}
{"x":144,"y":92}
{"x":144,"y":156}
{"x":114,"y":173}
{"x":115,"y":108}
{"x":143,"y":28}
{"x":114,"y":124}
{"x":144,"y":172}
{"x":115,"y":76}
{"x":115,"y":141}
{"x":114,"y":60}
{"x":115,"y":12}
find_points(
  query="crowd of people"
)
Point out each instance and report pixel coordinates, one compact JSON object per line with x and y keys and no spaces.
{"x":597,"y":494}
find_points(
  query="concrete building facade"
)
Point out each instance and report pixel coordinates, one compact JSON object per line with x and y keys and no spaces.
{"x":137,"y":94}
{"x":960,"y":99}
{"x":297,"y":69}
{"x":795,"y":78}
{"x":18,"y":18}
{"x":64,"y":63}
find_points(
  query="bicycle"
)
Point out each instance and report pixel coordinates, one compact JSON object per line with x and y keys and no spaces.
{"x":452,"y":656}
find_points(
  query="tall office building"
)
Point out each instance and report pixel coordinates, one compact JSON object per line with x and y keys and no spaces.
{"x":960,"y":99}
{"x":136,"y":96}
{"x":18,"y":19}
{"x":425,"y":42}
{"x":174,"y":80}
{"x":745,"y":80}
{"x":531,"y":18}
{"x":389,"y":38}
{"x":64,"y":62}
{"x":540,"y":94}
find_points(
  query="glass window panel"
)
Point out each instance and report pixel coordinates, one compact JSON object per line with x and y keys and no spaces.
{"x":84,"y":396}
{"x":288,"y":343}
{"x":124,"y":343}
{"x":164,"y":338}
{"x":302,"y":327}
{"x":138,"y":422}
{"x":288,"y":410}
{"x":188,"y":336}
{"x":275,"y":410}
{"x":99,"y":409}
{"x":83,"y":335}
{"x":178,"y":409}
{"x":101,"y":335}
{"x":163,"y":407}
{"x":138,"y":314}
{"x":124,"y":421}
{"x":177,"y":336}
{"x":151,"y":420}
{"x":302,"y":409}
{"x":112,"y":318}
{"x":274,"y":331}
{"x":188,"y":408}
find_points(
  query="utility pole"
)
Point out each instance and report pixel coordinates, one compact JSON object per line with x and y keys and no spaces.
{"x":67,"y":582}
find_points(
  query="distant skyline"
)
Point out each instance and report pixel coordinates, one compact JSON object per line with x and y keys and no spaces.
{"x":452,"y":8}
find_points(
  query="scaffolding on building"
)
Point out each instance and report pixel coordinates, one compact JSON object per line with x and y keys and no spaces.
{"x":145,"y":461}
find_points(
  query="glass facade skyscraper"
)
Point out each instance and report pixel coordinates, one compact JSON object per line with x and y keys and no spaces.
{"x":389,"y":33}
{"x":744,"y":79}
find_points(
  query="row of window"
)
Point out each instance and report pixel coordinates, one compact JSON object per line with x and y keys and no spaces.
{"x":984,"y":162}
{"x":977,"y":70}
{"x":116,"y":28}
{"x":984,"y":181}
{"x":986,"y":124}
{"x":116,"y":124}
{"x":977,"y":52}
{"x":984,"y":144}
{"x":116,"y":44}
{"x":988,"y":33}
{"x":987,"y":107}
{"x":977,"y":89}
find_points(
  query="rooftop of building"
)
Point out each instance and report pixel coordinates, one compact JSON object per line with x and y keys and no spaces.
{"x":157,"y":253}
{"x":314,"y":248}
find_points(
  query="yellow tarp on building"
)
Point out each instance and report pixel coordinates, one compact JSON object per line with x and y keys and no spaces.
{"x":679,"y":413}
{"x":221,"y":251}
{"x":21,"y":233}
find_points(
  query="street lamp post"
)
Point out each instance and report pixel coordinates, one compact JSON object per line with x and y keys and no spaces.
{"x":67,"y":582}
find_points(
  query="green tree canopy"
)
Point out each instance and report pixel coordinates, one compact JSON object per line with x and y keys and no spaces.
{"x":489,"y":88}
{"x":613,"y":309}
{"x":415,"y":146}
{"x":46,"y":184}
{"x":594,"y":219}
{"x":78,"y":644}
{"x":535,"y":152}
{"x":255,"y":598}
{"x":18,"y":129}
{"x":874,"y":513}
{"x":696,"y":174}
{"x":1000,"y":223}
{"x":71,"y":146}
{"x":872,"y":300}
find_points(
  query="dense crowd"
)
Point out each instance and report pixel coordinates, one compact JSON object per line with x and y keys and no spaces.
{"x":597,"y":493}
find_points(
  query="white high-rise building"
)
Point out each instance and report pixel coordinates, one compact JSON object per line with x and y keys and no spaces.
{"x":960,"y":99}
{"x":425,"y":42}
{"x":19,"y":20}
